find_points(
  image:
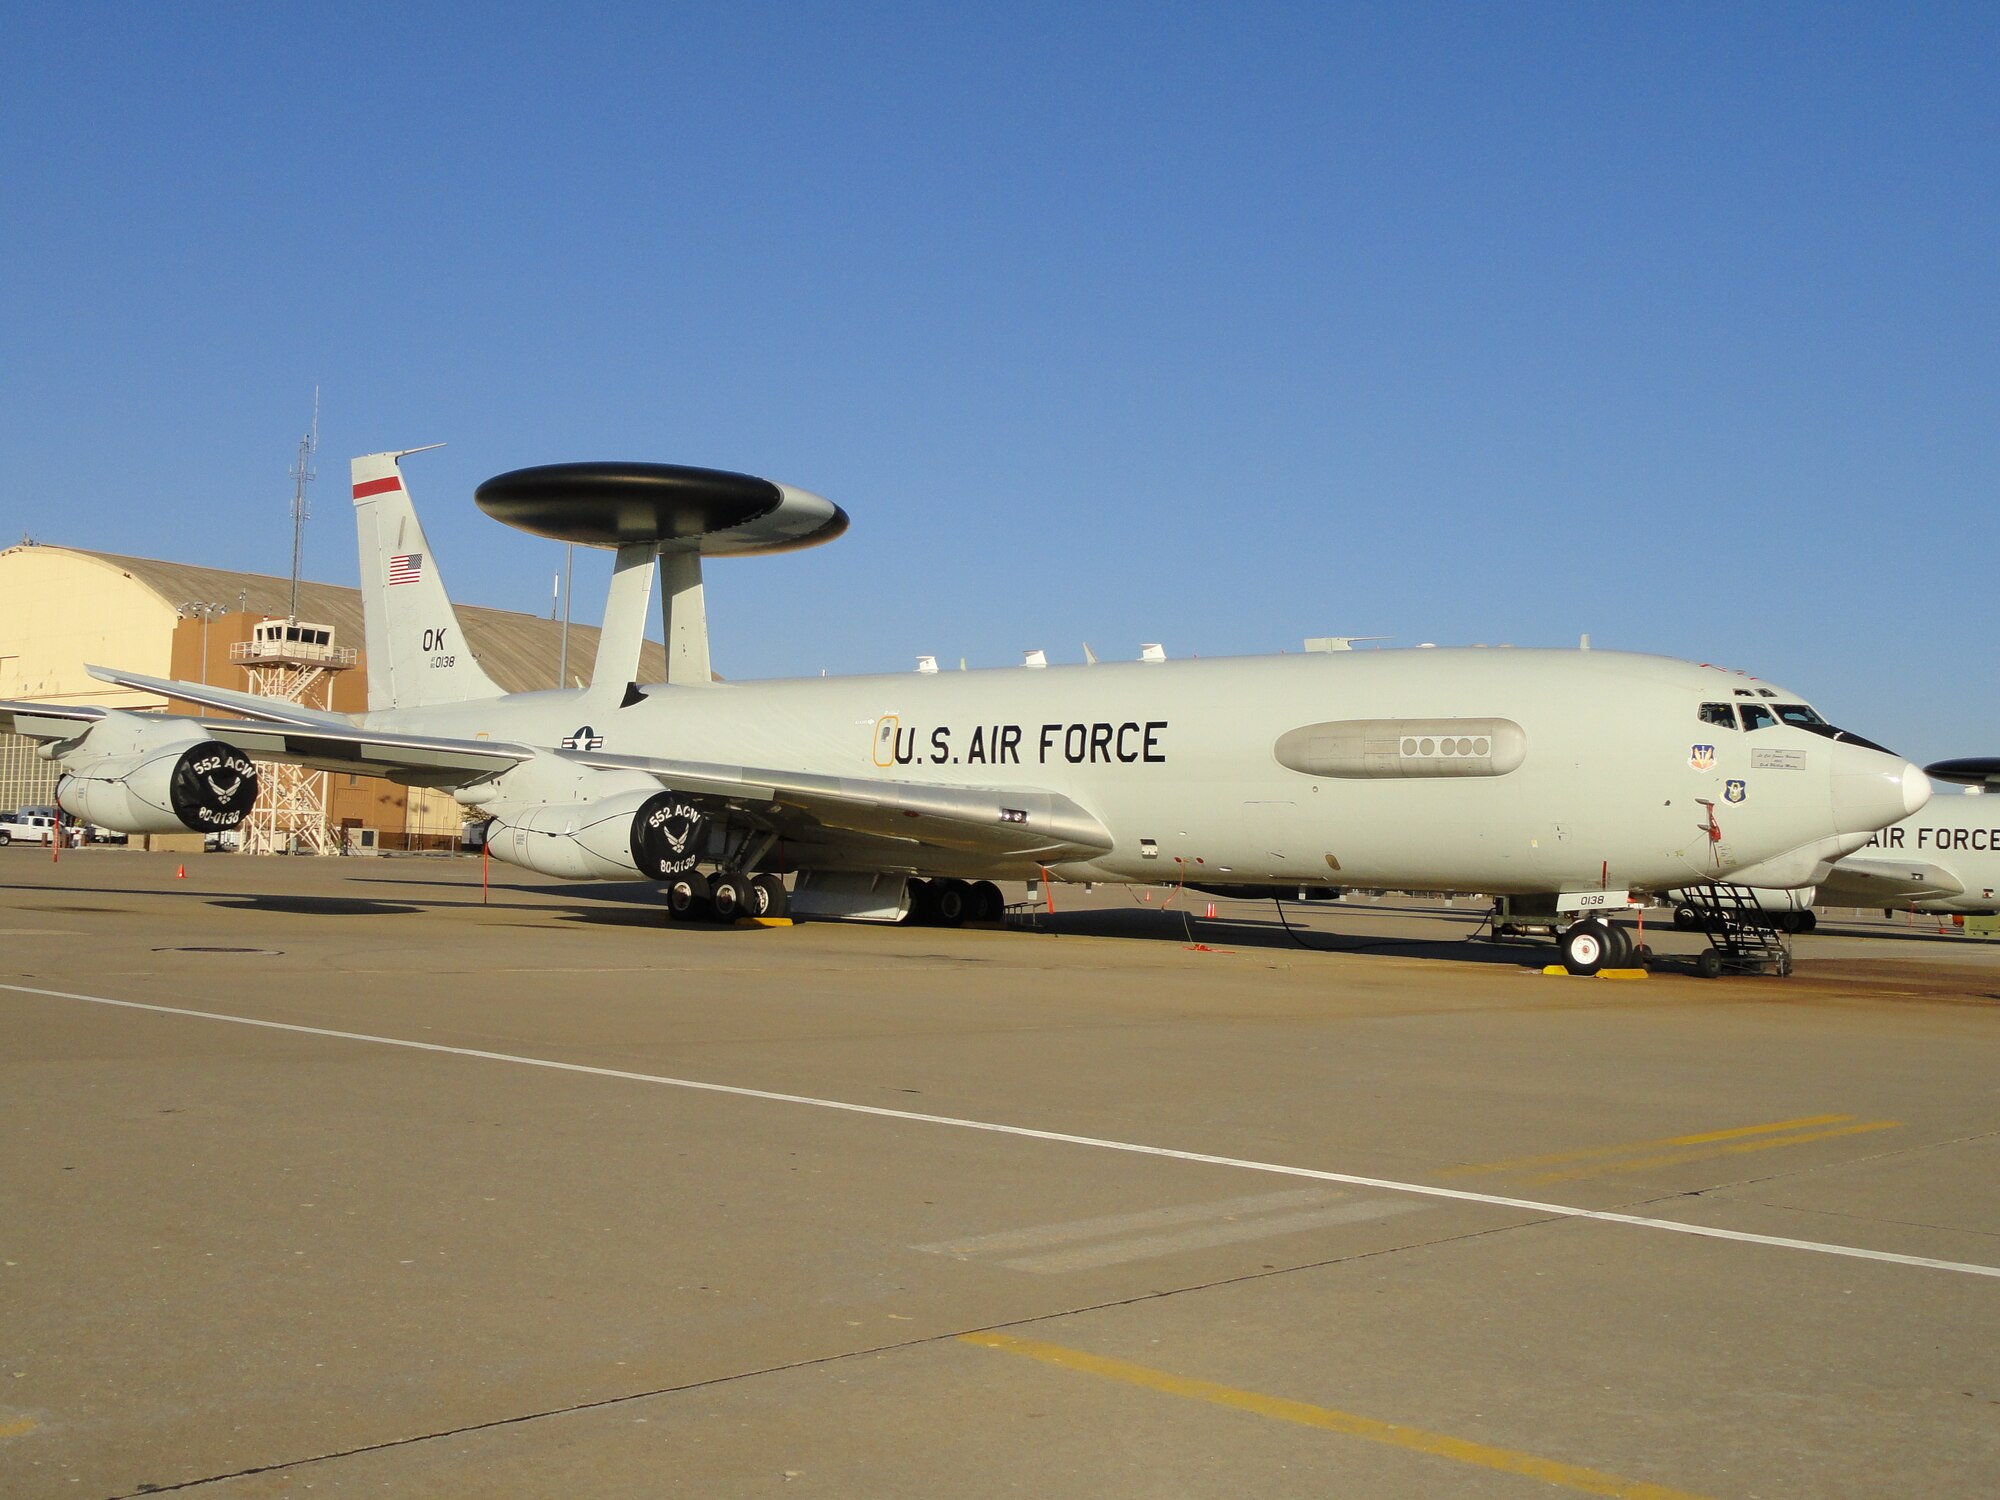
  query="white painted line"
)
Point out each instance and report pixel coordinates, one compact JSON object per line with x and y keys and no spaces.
{"x":1205,"y":1236}
{"x":1023,"y":1132}
{"x":1042,"y":1236}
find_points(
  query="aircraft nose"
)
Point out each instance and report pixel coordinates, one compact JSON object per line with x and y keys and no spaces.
{"x":1872,"y":789}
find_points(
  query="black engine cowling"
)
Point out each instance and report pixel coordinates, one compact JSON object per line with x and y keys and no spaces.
{"x":199,"y":785}
{"x":213,"y":787}
{"x":667,"y":836}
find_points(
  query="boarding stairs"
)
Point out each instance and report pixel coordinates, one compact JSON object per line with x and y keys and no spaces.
{"x":1741,"y":934}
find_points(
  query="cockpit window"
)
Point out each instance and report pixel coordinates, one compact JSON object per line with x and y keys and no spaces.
{"x":1756,"y":716}
{"x":1720,"y":714}
{"x":1801,"y":715}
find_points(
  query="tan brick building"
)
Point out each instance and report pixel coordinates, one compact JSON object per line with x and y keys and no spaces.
{"x":62,"y":607}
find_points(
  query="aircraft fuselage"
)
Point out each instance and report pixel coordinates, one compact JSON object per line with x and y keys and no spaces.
{"x":1503,"y":770}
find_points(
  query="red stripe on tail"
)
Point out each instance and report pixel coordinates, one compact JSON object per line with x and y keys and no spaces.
{"x":378,"y":487}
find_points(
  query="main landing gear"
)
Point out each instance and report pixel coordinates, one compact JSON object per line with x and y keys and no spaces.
{"x":1594,"y":943}
{"x":725,"y":896}
{"x":950,"y":903}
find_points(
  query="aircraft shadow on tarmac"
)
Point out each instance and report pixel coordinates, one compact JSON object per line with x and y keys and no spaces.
{"x":1243,"y":929}
{"x":315,"y":906}
{"x":312,"y":906}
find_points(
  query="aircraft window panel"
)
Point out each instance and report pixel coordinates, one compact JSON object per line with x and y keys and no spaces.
{"x":1719,"y":714}
{"x":1801,"y":715}
{"x":1756,"y":716}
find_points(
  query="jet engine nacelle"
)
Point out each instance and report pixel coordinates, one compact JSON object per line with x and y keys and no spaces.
{"x":653,"y":834}
{"x":137,"y":777}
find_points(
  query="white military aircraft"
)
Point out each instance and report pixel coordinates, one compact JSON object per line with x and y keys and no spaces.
{"x":1563,"y":779}
{"x":1942,"y":861}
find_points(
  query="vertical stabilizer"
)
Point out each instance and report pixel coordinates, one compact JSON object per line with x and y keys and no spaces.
{"x":417,"y":655}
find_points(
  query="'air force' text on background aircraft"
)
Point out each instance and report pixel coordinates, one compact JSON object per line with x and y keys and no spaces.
{"x":1564,"y":778}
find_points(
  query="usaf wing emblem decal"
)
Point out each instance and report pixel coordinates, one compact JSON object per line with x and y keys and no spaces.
{"x":1734,"y":791}
{"x":585,"y":738}
{"x":1702,"y":757}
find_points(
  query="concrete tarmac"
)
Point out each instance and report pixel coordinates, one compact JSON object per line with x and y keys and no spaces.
{"x":326,"y":1177}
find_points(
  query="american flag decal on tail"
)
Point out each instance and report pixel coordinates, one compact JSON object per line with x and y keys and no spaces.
{"x":406,"y":567}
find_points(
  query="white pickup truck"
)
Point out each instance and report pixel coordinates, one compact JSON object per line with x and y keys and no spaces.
{"x":31,"y":825}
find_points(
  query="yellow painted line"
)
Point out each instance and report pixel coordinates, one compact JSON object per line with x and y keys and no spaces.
{"x":11,"y":1427}
{"x":1349,"y":1424}
{"x":1674,"y":1159}
{"x":1518,"y":1163}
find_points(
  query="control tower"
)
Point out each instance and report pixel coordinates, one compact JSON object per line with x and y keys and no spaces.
{"x":294,"y":661}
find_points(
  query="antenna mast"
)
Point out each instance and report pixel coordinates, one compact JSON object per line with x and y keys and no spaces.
{"x":303,"y":474}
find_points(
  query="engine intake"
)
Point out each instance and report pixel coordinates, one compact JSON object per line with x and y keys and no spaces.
{"x":203,"y":786}
{"x":652,"y":834}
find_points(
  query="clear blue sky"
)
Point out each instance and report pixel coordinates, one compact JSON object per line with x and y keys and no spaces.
{"x":1217,"y":326}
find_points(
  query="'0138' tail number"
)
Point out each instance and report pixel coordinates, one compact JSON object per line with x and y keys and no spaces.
{"x":434,"y":647}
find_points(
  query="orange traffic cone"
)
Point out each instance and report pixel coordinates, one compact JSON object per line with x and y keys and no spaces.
{"x":180,"y":872}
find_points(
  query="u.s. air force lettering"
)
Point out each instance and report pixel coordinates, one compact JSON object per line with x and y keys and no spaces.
{"x":1102,"y":743}
{"x":1904,"y":836}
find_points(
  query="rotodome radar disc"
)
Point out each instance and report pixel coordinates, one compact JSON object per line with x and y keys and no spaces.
{"x":710,"y":511}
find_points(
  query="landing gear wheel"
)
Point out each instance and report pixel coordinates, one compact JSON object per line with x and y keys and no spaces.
{"x":1642,"y":955}
{"x":1621,"y":949}
{"x":949,"y":902}
{"x":687,"y":895}
{"x":1685,"y":919}
{"x":1708,"y":964}
{"x":1585,"y":946}
{"x":923,"y":908}
{"x":1808,"y":920}
{"x":765,"y":896}
{"x":726,"y":892}
{"x":984,"y":903}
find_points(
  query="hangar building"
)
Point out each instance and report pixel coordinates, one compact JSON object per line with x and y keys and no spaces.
{"x":61,"y":607}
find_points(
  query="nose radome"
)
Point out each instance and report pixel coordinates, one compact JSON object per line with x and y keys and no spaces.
{"x":1872,"y":789}
{"x":1916,"y":790}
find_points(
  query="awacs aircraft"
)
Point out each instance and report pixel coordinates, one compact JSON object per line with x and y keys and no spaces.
{"x":1943,"y":860}
{"x":1564,"y":779}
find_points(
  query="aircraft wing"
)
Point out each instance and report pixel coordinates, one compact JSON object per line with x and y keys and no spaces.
{"x":334,"y":745}
{"x":1017,"y":823}
{"x":1878,"y":881}
{"x":250,"y":705}
{"x":1011,"y":822}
